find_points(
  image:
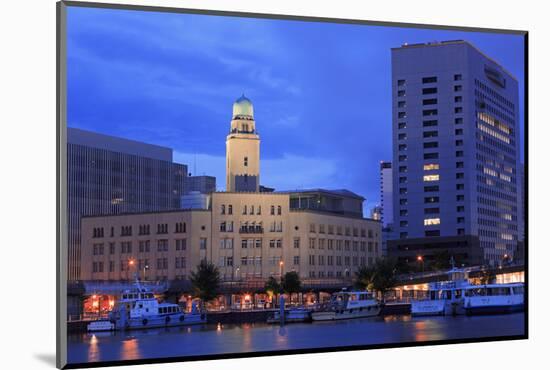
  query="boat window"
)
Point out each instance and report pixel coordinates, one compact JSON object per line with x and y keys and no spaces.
{"x":140,"y":306}
{"x":458,"y":293}
{"x":124,"y":296}
{"x":518,"y":290}
{"x":353,"y":297}
{"x":433,"y":296}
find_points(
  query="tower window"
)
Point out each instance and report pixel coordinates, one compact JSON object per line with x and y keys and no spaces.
{"x":246,"y":161}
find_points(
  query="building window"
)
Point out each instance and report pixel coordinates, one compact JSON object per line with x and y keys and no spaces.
{"x":458,"y":110}
{"x":432,"y":233}
{"x":458,"y":88}
{"x":272,"y":210}
{"x":459,"y":153}
{"x":431,"y":221}
{"x":402,"y":158}
{"x":203,"y":243}
{"x":431,"y":155}
{"x":401,"y":115}
{"x":402,"y":235}
{"x":459,"y":164}
{"x":459,"y":131}
{"x":426,"y":80}
{"x":402,"y":136}
{"x":296,"y":260}
{"x":401,"y":104}
{"x":429,"y":123}
{"x":180,"y":227}
{"x":403,"y":223}
{"x":460,"y":208}
{"x":402,"y":169}
{"x":430,"y":211}
{"x":460,"y":175}
{"x":460,"y":231}
{"x":459,"y":142}
{"x":431,"y":177}
{"x":403,"y":212}
{"x":433,"y":188}
{"x":460,"y":220}
{"x":403,"y":201}
{"x":429,"y":90}
{"x":279,"y":210}
{"x":431,"y":200}
{"x":429,"y":112}
{"x":459,"y":198}
{"x":458,"y":77}
{"x":230,"y":209}
{"x":458,"y":99}
{"x":402,"y":125}
{"x":402,"y":191}
{"x":459,"y":186}
{"x":246,"y":161}
{"x":311,"y":243}
{"x":429,"y":101}
{"x":402,"y":147}
{"x":223,"y":209}
{"x":296,"y":242}
{"x":428,"y":134}
{"x":181,"y":244}
{"x":162,"y":228}
{"x":244,"y":210}
{"x":400,"y":82}
{"x":431,"y":166}
{"x":401,"y":93}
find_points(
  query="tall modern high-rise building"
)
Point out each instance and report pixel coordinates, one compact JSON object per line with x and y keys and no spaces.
{"x":456,"y":159}
{"x":111,"y":175}
{"x":386,"y":193}
{"x":202,"y":184}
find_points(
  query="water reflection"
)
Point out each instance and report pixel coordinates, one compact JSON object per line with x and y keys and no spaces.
{"x":238,"y":338}
{"x":130,"y":349}
{"x":93,"y":349}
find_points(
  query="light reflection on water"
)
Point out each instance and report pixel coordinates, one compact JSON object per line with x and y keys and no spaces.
{"x":235,"y":338}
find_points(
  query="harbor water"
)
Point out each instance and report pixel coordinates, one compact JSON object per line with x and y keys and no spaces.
{"x":210,"y":339}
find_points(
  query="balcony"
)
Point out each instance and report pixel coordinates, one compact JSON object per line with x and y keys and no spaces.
{"x":251,"y":230}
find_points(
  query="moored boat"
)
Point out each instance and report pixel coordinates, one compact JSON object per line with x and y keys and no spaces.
{"x":138,"y":308}
{"x":295,"y":314}
{"x":494,"y":299}
{"x":346,"y":305}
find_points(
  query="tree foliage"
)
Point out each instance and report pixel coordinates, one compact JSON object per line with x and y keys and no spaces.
{"x":379,"y":277}
{"x":205,"y":281}
{"x":272,"y":286}
{"x":291,"y":282}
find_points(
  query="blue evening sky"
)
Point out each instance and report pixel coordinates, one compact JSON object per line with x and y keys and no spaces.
{"x":321,"y":91}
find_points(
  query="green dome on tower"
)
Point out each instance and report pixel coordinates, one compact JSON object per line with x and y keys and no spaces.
{"x":242,"y":108}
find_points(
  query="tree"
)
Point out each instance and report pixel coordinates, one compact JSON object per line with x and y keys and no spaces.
{"x":272,"y":286}
{"x":380,"y":277}
{"x":363,"y":277}
{"x":205,"y":281}
{"x":291,"y":283}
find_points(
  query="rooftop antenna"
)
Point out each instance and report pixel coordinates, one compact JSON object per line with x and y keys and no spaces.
{"x":195,"y":164}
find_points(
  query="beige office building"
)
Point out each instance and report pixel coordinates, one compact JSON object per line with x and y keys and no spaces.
{"x":249,"y":235}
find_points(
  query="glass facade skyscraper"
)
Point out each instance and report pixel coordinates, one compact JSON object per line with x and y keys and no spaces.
{"x":109,"y":175}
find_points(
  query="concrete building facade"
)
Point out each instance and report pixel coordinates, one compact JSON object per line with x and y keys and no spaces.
{"x":455,"y":153}
{"x":111,"y":175}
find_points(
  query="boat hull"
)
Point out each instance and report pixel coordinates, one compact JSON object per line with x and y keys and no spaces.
{"x":153,"y":322}
{"x":346,"y":314}
{"x":494,"y":310}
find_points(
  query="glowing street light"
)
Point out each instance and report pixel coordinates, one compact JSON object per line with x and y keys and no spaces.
{"x":421,"y":260}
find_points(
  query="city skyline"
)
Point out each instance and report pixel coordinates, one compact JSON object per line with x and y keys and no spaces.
{"x":160,"y":79}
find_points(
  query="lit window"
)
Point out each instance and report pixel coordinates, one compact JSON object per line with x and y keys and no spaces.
{"x":431,"y":166}
{"x":431,"y":221}
{"x":431,"y":178}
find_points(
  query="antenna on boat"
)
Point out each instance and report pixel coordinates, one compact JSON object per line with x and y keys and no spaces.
{"x":452,"y":261}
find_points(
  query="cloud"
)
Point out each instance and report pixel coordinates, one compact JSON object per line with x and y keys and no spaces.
{"x":286,"y":173}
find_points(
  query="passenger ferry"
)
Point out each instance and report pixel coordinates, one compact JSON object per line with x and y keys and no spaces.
{"x":444,"y":297}
{"x":458,"y":297}
{"x":139,"y":309}
{"x":494,"y":299}
{"x":348,"y":305}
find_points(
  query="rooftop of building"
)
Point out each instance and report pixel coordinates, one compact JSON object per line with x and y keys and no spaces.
{"x":117,"y":144}
{"x":453,"y":42}
{"x":334,"y":192}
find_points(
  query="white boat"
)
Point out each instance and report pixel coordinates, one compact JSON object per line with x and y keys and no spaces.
{"x":457,"y":296}
{"x":444,"y":297}
{"x":494,"y":299}
{"x":295,"y":314}
{"x":100,"y":325}
{"x":346,"y":305}
{"x":139,"y":309}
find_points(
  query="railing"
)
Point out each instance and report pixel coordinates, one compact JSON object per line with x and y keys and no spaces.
{"x":251,"y":230}
{"x":115,"y":287}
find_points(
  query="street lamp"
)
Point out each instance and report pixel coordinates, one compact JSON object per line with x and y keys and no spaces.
{"x":421,"y":260}
{"x":145,"y":268}
{"x":130,"y":263}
